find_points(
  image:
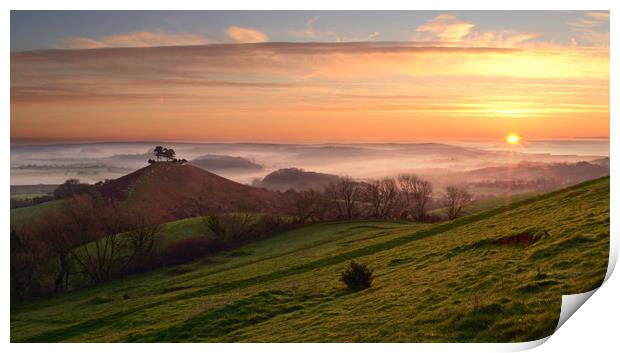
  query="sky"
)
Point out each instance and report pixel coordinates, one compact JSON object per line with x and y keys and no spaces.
{"x":308,"y":76}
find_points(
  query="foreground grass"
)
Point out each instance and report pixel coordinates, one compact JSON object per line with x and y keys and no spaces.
{"x":447,"y":282}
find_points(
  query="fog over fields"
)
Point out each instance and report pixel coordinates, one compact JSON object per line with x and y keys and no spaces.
{"x":92,"y":162}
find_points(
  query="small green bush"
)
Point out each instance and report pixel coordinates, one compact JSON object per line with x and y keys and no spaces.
{"x":357,"y":276}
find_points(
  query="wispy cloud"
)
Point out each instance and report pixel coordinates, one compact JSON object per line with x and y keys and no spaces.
{"x":446,"y":28}
{"x":190,"y":71}
{"x":313,"y":33}
{"x":312,"y":21}
{"x":451,"y":30}
{"x":592,"y":29}
{"x":372,"y":36}
{"x":246,"y":35}
{"x":135,"y":39}
{"x":331,"y":36}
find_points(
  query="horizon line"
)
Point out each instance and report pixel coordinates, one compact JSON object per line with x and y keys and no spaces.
{"x":27,"y":142}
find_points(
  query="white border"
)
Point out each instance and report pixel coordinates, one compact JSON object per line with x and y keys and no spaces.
{"x":594,"y":327}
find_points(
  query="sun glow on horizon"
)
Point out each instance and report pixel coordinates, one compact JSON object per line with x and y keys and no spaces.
{"x":513,"y":139}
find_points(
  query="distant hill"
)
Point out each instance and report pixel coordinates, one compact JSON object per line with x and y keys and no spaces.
{"x":173,"y":191}
{"x":561,"y":173}
{"x":601,"y":161}
{"x":295,"y":178}
{"x":215,"y":163}
{"x":39,"y":189}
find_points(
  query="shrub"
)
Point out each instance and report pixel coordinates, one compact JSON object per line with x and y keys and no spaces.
{"x":187,"y":250}
{"x":73,"y":187}
{"x":357,"y":276}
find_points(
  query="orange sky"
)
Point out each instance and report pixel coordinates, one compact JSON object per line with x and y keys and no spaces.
{"x":464,"y":85}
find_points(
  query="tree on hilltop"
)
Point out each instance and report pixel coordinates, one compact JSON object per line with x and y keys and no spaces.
{"x":169,"y":154}
{"x":158,"y":152}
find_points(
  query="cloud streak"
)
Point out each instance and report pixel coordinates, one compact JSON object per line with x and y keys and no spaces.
{"x":136,"y":39}
{"x":453,"y":31}
{"x":592,"y":29}
{"x":246,"y":35}
{"x":446,"y":28}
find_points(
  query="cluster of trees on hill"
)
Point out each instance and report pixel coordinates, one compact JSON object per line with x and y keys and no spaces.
{"x":406,"y":197}
{"x":168,"y":154}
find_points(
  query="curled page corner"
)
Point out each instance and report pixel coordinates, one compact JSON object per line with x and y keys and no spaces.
{"x":570,"y":304}
{"x":524,"y":346}
{"x":613,"y":257}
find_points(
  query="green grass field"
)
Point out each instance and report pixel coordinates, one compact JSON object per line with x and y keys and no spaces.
{"x":26,"y":196}
{"x":24,"y":214}
{"x":486,"y":204}
{"x":455,"y":281}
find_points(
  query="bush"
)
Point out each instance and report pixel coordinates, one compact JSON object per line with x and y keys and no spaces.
{"x":357,"y":276}
{"x":187,"y":250}
{"x":73,"y":187}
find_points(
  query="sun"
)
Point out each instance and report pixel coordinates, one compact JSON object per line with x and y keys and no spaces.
{"x":513,"y":139}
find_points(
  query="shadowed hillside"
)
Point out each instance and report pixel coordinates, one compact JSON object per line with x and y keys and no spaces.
{"x":216,"y":163}
{"x":173,"y":191}
{"x":295,"y":178}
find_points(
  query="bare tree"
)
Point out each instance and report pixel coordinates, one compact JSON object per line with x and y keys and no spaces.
{"x":455,"y":199}
{"x":416,"y":193}
{"x":96,"y":225}
{"x":345,"y":194}
{"x":229,"y":227}
{"x":51,"y":229}
{"x":27,"y":270}
{"x":383,"y":197}
{"x":306,"y":204}
{"x":143,"y":238}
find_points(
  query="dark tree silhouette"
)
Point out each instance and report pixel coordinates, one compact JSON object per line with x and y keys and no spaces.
{"x":455,"y":199}
{"x":169,"y":154}
{"x":306,"y":204}
{"x":345,"y":194}
{"x":158,"y":152}
{"x":417,"y":194}
{"x":382,"y":196}
{"x":72,"y":187}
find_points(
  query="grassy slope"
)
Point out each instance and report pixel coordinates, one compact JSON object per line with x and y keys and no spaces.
{"x":433,"y":283}
{"x":486,"y":204}
{"x":24,"y":214}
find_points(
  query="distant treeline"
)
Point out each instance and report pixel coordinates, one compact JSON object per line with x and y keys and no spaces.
{"x":70,"y":187}
{"x":408,"y":197}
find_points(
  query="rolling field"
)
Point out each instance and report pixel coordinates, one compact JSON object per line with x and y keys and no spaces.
{"x":494,"y":276}
{"x":485,"y":204}
{"x":24,"y":214}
